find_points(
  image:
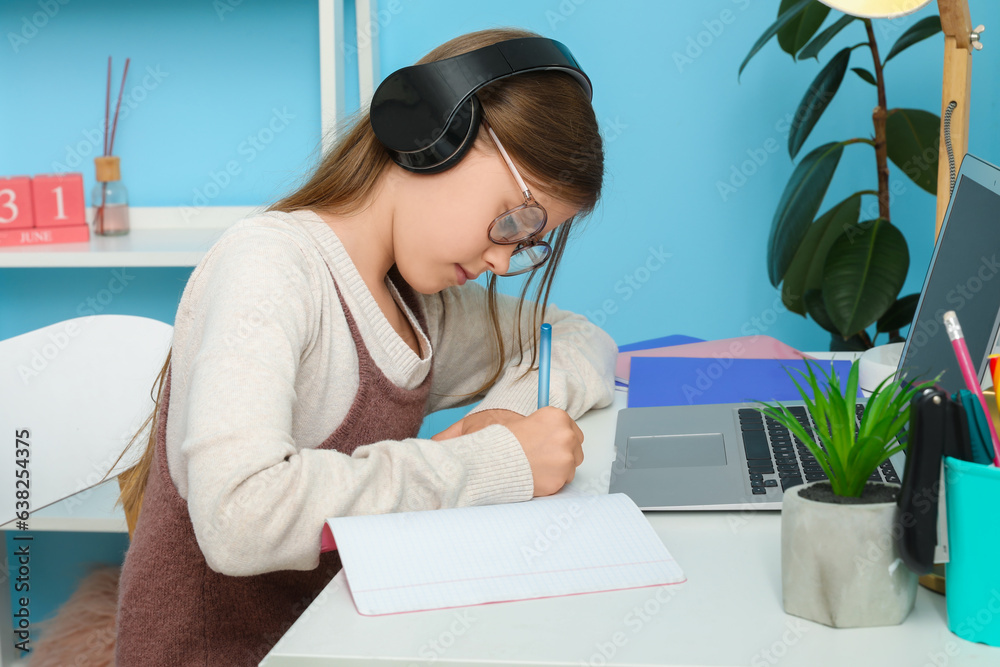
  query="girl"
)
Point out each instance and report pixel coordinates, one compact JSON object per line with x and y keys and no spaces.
{"x":311,"y":340}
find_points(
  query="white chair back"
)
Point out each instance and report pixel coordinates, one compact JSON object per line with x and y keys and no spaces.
{"x":74,"y":393}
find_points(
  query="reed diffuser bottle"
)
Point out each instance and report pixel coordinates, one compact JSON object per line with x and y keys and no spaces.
{"x":109,"y":198}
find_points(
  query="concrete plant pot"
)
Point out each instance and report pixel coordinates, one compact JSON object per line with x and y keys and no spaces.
{"x":839,"y":564}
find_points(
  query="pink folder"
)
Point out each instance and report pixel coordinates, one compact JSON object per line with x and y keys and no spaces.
{"x":744,"y":347}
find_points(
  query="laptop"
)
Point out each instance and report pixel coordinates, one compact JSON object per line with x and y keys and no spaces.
{"x":728,"y":456}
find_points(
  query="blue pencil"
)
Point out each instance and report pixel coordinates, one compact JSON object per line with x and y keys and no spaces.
{"x":544,"y":361}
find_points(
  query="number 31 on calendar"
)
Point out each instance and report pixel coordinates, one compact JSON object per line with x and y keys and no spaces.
{"x":46,"y":200}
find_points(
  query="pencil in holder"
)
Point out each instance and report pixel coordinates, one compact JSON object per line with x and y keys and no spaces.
{"x":972,"y":493}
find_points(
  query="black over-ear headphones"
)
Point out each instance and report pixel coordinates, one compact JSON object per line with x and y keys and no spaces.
{"x":427,"y":116}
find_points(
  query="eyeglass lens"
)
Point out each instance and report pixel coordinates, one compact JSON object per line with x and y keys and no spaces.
{"x":527,"y":258}
{"x":518,"y":225}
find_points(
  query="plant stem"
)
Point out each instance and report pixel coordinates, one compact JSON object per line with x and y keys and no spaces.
{"x":857,"y":140}
{"x":878,"y":119}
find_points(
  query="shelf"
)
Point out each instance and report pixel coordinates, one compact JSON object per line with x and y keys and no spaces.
{"x":158,"y":236}
{"x":89,"y":511}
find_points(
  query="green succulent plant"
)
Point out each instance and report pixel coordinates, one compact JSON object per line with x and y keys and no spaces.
{"x":848,"y":453}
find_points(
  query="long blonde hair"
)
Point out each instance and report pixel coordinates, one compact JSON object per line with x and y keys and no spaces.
{"x":547,"y":125}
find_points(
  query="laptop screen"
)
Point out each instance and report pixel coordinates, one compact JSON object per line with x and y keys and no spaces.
{"x":964,"y":276}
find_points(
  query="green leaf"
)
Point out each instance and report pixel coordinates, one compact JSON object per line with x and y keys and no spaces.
{"x":864,"y":271}
{"x":813,"y":299}
{"x":806,"y":270}
{"x":865,"y":75}
{"x":917,"y":32}
{"x":812,"y":49}
{"x":798,"y":206}
{"x":817,"y":99}
{"x":797,"y":32}
{"x":851,"y":392}
{"x":912,"y":139}
{"x":782,"y":20}
{"x":899,"y":315}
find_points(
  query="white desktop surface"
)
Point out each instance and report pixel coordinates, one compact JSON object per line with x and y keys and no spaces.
{"x":727,"y":613}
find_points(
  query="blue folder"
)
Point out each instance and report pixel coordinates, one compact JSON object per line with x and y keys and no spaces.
{"x":658,"y":381}
{"x":664,"y":341}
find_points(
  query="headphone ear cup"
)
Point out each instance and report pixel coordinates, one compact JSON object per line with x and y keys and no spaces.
{"x":465,"y":124}
{"x":452,"y":145}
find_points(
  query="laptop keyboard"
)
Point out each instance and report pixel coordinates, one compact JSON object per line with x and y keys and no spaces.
{"x":776,"y":458}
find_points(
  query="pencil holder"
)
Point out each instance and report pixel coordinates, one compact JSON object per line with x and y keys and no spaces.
{"x":972,"y":493}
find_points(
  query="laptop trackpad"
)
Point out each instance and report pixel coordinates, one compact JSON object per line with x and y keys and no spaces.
{"x":675,"y":451}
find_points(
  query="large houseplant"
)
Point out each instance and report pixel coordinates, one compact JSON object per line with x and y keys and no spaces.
{"x":846,"y":267}
{"x":838,"y":560}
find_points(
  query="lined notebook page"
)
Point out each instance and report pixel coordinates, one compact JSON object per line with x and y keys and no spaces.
{"x":550,"y":546}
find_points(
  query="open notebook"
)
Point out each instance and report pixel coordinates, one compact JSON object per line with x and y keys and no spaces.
{"x":558,"y":545}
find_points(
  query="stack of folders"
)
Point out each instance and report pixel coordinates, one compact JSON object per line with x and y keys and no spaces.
{"x":558,"y":545}
{"x":678,"y":346}
{"x":674,"y":371}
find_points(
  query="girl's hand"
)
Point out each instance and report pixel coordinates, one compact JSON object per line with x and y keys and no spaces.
{"x":551,"y":440}
{"x":553,"y":445}
{"x":476,"y":422}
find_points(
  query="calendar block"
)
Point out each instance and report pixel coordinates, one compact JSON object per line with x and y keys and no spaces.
{"x":59,"y":200}
{"x":40,"y":235}
{"x":16,"y":206}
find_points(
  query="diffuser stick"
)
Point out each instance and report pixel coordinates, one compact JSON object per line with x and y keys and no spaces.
{"x":114,"y":125}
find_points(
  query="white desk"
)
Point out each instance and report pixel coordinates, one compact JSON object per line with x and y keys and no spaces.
{"x":727,"y":613}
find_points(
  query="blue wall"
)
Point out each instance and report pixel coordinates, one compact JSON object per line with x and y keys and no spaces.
{"x":674,"y":130}
{"x":205,"y":80}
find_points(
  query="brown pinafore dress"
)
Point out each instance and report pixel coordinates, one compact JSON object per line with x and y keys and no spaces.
{"x":175,"y":610}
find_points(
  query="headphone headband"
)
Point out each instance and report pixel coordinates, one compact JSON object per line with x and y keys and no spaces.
{"x":427,"y":115}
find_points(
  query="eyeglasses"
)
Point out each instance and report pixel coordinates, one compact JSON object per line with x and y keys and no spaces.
{"x":520,"y":224}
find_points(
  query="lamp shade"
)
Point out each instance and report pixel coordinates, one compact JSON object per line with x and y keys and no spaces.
{"x":876,"y":9}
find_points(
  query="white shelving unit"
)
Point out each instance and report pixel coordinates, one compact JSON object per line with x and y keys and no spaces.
{"x":158,"y":236}
{"x":89,"y":511}
{"x":179,"y":236}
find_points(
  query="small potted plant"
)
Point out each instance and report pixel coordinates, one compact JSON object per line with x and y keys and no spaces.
{"x":839,"y":564}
